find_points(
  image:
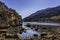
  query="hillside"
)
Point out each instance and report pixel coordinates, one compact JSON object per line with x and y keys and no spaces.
{"x":10,"y":23}
{"x":9,"y":19}
{"x":48,"y":14}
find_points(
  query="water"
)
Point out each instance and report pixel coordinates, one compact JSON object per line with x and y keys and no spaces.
{"x":29,"y":31}
{"x":44,"y":23}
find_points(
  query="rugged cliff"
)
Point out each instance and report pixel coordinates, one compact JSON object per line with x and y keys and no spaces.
{"x":48,"y":14}
{"x":10,"y":23}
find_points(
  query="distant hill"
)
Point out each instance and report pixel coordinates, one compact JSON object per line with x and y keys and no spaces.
{"x":49,"y":15}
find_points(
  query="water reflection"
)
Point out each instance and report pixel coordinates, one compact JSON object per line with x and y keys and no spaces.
{"x":29,"y":31}
{"x":48,"y":30}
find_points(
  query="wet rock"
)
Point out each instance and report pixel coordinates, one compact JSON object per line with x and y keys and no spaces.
{"x":28,"y":25}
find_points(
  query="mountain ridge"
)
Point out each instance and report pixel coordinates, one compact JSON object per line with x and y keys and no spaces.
{"x":44,"y":13}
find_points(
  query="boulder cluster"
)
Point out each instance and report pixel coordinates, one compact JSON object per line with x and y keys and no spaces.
{"x":45,"y":36}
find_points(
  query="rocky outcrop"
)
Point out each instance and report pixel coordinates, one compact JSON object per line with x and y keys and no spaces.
{"x":10,"y":23}
{"x":45,"y":15}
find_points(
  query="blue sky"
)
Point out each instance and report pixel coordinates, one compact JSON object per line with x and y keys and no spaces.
{"x":27,"y":7}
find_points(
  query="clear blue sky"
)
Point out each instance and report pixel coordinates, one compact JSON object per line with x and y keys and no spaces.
{"x":27,"y":7}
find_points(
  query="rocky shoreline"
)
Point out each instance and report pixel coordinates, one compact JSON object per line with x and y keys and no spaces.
{"x":10,"y":23}
{"x":11,"y":27}
{"x":46,"y":32}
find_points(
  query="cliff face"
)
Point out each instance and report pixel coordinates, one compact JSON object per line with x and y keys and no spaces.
{"x":10,"y":22}
{"x":49,"y":14}
{"x":9,"y":17}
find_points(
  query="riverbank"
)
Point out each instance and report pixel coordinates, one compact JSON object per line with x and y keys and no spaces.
{"x":44,"y":36}
{"x":46,"y":32}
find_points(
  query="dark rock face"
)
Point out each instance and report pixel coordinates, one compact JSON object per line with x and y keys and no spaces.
{"x":10,"y":21}
{"x":49,"y":14}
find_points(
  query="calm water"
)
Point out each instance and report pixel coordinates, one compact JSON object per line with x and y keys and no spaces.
{"x":30,"y":32}
{"x":44,"y":23}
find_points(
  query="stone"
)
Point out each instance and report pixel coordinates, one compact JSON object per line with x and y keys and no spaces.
{"x":10,"y":23}
{"x":28,"y":38}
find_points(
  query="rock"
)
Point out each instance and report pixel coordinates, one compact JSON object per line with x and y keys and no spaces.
{"x":28,"y":38}
{"x":43,"y":34}
{"x":35,"y":37}
{"x":10,"y":22}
